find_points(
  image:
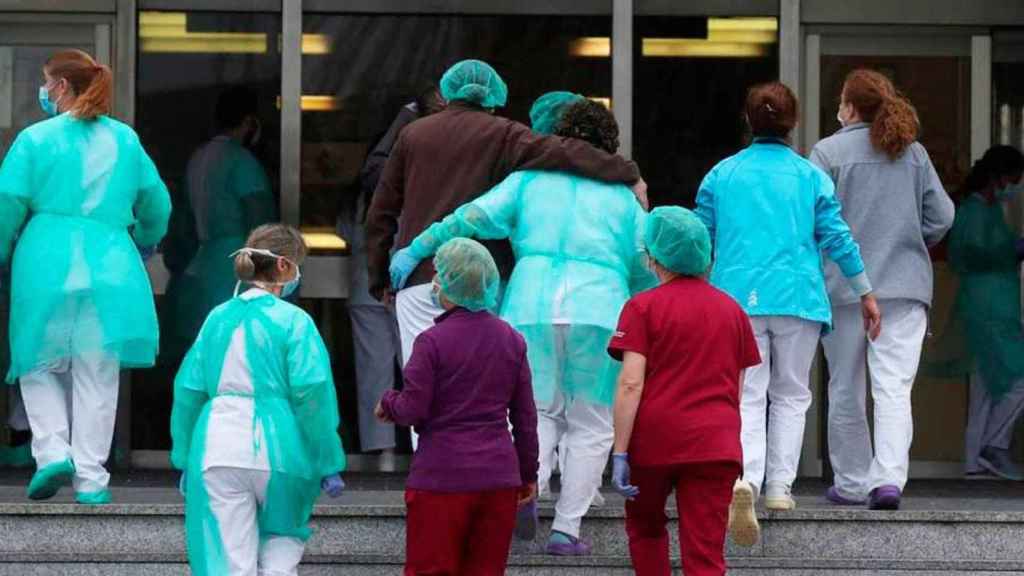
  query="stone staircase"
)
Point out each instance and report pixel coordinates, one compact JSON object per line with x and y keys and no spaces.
{"x":939,"y":531}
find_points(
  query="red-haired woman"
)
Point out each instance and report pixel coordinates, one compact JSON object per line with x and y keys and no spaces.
{"x":771,"y":213}
{"x":896,"y":208}
{"x":84,"y":195}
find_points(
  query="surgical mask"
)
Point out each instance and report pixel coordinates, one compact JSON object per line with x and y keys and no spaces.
{"x":435,"y":295}
{"x":288,"y":287}
{"x":49,"y":108}
{"x":292,"y":285}
{"x":839,"y":116}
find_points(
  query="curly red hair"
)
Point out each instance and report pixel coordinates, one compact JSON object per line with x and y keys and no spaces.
{"x":894,"y":122}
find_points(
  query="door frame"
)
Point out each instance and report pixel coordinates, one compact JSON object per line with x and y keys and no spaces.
{"x":885,"y":41}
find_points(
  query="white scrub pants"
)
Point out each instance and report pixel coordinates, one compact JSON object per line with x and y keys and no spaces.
{"x":577,"y":436}
{"x":892,"y":362}
{"x":772,"y":437}
{"x":416,"y":313}
{"x":71,"y":408}
{"x":990,"y":422}
{"x":236,"y":495}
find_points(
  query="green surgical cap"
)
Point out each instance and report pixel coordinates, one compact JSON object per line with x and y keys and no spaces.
{"x":467,"y":274}
{"x":548,"y":109}
{"x":474,"y":81}
{"x":678,"y":240}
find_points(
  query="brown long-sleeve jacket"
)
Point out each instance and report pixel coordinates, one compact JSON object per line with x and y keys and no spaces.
{"x":447,"y":159}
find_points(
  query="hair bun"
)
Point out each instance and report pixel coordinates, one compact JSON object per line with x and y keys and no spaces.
{"x":245,"y":268}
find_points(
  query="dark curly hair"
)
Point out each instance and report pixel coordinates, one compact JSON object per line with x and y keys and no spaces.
{"x":591,"y":122}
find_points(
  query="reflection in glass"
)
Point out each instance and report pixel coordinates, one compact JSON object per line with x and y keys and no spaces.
{"x":207,"y":111}
{"x":691,"y":75}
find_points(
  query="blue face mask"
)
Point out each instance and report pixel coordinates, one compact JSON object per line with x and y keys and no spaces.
{"x":292,"y":285}
{"x":45,"y":103}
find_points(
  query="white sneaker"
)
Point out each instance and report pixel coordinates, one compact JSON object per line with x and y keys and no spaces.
{"x":777,"y":497}
{"x":743,"y":526}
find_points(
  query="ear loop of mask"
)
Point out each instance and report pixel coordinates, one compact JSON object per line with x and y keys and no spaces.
{"x":261,"y":283}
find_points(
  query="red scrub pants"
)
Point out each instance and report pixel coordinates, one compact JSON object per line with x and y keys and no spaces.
{"x":460,"y":533}
{"x":703,"y":494}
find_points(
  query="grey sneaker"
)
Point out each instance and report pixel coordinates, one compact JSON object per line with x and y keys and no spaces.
{"x":777,"y":497}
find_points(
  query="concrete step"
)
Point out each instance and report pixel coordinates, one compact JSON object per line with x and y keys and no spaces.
{"x":364,"y":531}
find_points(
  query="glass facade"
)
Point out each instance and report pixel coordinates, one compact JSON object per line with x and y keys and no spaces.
{"x":207,"y":111}
{"x":690,"y":79}
{"x":359,"y":70}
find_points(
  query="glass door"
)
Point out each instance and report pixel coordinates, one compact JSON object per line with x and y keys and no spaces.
{"x":933,"y":68}
{"x":25,"y":45}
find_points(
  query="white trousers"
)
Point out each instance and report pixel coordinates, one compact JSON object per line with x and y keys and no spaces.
{"x":416,"y":312}
{"x":772,"y":436}
{"x":236,"y":495}
{"x":990,"y":422}
{"x":71,"y":408}
{"x":892,"y":362}
{"x":584,"y":433}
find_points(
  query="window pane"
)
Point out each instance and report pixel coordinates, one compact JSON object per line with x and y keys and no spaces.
{"x":690,"y":79}
{"x":358,"y":71}
{"x":207,"y":112}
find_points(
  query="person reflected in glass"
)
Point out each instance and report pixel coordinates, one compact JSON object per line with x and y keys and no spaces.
{"x":986,"y":255}
{"x":449,"y":158}
{"x":85,"y":197}
{"x":227,"y":195}
{"x":896,"y":207}
{"x":374,"y":328}
{"x":771,"y":215}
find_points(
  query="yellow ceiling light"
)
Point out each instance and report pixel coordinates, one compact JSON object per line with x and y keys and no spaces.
{"x":317,"y":44}
{"x":316,"y":103}
{"x":726,"y":38}
{"x":686,"y":48}
{"x":607,"y":102}
{"x":323,"y":239}
{"x":592,"y":47}
{"x":168,"y":32}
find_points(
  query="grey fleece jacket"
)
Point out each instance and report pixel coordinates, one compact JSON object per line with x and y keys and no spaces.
{"x":895,"y":208}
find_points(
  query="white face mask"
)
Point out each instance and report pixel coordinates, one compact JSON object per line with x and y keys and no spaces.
{"x":839,"y":116}
{"x":288,"y":287}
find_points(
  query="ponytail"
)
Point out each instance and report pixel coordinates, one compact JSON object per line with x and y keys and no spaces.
{"x":97,"y":98}
{"x":895,"y":126}
{"x":894,"y":121}
{"x":92,"y":83}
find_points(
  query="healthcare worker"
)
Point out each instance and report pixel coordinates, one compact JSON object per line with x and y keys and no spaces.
{"x":985,"y":254}
{"x":227,"y":195}
{"x":81,"y":303}
{"x":255,"y":420}
{"x":579,"y":256}
{"x":771,"y":214}
{"x":684,"y":347}
{"x":466,"y":385}
{"x":447,"y":159}
{"x":896,"y":208}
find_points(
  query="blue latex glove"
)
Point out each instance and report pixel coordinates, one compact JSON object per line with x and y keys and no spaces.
{"x":147,"y":253}
{"x":620,"y":476}
{"x":182,"y":483}
{"x":332,"y":485}
{"x":402,"y":265}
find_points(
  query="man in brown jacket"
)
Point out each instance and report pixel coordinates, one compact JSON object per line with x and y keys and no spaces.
{"x":445,"y":160}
